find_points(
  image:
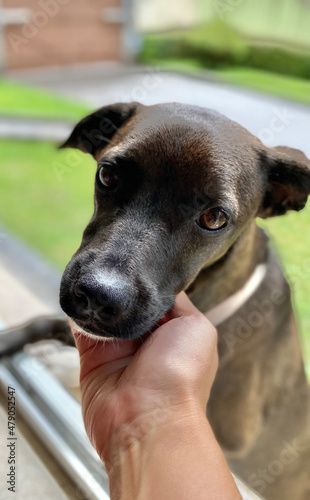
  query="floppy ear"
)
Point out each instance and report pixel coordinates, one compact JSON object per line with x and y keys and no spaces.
{"x":288,"y":181}
{"x":96,"y":130}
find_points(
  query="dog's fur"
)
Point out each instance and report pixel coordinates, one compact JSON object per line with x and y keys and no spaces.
{"x":174,"y":161}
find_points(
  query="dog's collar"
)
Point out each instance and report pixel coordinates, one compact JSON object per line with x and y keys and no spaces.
{"x":232,"y":304}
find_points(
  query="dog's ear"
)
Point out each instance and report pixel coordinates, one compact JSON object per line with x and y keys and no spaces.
{"x":287,"y":172}
{"x":96,"y":130}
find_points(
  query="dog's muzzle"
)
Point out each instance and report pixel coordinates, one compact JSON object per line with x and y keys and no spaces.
{"x":103,"y":297}
{"x":109,"y":300}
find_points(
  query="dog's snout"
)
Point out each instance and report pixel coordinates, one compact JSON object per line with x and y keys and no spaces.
{"x":104,"y":297}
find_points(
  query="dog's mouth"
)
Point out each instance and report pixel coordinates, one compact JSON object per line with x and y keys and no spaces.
{"x":95,"y":330}
{"x":104,"y":303}
{"x":81,"y":328}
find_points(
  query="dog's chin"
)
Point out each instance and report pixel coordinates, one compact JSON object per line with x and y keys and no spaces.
{"x":97,"y":332}
{"x":76,"y":328}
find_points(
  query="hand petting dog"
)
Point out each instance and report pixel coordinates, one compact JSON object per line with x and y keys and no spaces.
{"x":141,"y":399}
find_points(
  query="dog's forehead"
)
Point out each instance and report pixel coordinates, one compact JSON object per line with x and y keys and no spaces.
{"x":183,"y":151}
{"x":195,"y":145}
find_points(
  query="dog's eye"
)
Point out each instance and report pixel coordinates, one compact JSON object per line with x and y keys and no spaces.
{"x":107,"y":177}
{"x":212,"y":219}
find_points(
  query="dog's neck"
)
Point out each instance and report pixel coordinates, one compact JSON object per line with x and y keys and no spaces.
{"x":216,"y":283}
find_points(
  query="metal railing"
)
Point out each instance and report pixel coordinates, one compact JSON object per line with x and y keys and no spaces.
{"x":55,"y":417}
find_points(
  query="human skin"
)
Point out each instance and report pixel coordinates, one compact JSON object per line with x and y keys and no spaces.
{"x":144,"y":404}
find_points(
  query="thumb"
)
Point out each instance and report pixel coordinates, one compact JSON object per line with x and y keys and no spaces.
{"x":183,"y":349}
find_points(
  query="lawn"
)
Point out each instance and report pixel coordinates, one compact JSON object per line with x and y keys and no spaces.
{"x":287,"y":87}
{"x":46,"y":198}
{"x":220,"y":50}
{"x":287,"y":21}
{"x":21,"y":100}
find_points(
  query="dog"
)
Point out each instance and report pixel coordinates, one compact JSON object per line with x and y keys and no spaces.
{"x":177,"y":192}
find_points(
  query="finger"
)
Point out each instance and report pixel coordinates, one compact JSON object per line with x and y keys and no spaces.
{"x":191,"y":334}
{"x":95,"y":352}
{"x":183,"y":306}
{"x":186,"y":335}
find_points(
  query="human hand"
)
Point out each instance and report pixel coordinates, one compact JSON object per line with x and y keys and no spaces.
{"x":131,"y":388}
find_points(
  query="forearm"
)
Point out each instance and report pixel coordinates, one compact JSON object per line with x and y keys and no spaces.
{"x":176,"y":461}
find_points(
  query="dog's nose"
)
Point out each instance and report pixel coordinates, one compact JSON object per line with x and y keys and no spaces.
{"x":103,"y":296}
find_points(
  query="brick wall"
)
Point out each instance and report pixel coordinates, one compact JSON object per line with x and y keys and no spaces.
{"x":61,"y":32}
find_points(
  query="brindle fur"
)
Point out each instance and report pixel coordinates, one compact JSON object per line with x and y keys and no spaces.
{"x":174,"y":160}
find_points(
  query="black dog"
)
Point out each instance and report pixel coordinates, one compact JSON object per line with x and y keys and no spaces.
{"x":177,"y":191}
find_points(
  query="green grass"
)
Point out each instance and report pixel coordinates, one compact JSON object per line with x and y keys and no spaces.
{"x":21,"y":100}
{"x":287,"y":21}
{"x":233,"y":56}
{"x":288,"y":87}
{"x":291,"y":238}
{"x":46,"y":198}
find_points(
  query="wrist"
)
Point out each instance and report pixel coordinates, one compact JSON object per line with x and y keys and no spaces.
{"x":135,"y":447}
{"x":149,"y":425}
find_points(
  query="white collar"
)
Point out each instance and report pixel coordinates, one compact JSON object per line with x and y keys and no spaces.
{"x":230,"y":306}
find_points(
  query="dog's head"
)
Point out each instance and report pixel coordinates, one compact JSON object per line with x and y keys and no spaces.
{"x":175,"y":187}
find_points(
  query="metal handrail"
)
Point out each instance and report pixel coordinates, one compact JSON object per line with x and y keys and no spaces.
{"x":56,"y":418}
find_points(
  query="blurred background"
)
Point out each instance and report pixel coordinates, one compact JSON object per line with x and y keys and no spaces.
{"x":60,"y":59}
